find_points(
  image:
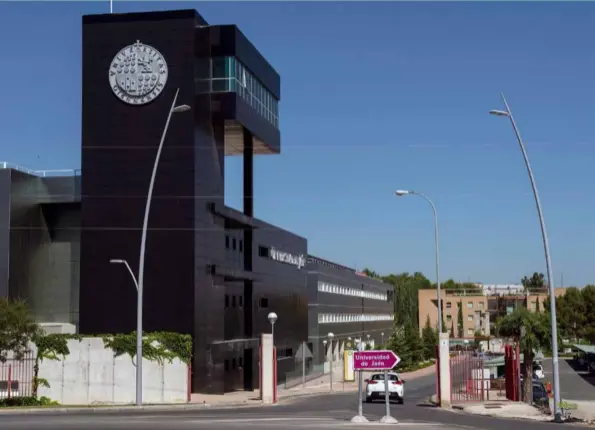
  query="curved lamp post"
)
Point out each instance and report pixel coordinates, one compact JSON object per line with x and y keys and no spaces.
{"x":143,"y":241}
{"x":402,"y":193}
{"x":546,"y":247}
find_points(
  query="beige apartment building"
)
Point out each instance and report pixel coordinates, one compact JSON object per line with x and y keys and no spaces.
{"x":479,"y":308}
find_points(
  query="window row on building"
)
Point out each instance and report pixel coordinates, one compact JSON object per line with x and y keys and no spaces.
{"x":325,"y":287}
{"x":479,"y":305}
{"x":228,"y":74}
{"x":348,"y":318}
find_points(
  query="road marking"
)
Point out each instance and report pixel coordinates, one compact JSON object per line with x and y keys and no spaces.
{"x":270,"y":419}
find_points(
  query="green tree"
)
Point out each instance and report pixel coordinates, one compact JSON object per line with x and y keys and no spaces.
{"x":406,"y":302}
{"x":533,"y":333}
{"x":17,"y":328}
{"x":535,"y":282}
{"x":429,"y":339}
{"x":371,"y":273}
{"x":452,"y":329}
{"x":537,"y":304}
{"x":477,"y":338}
{"x":398,"y":344}
{"x":416,"y":350}
{"x":571,"y":313}
{"x":460,"y":319}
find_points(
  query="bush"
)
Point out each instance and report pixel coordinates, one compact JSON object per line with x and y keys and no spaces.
{"x":26,"y":402}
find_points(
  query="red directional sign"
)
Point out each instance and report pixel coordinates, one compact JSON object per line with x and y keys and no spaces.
{"x":375,"y":360}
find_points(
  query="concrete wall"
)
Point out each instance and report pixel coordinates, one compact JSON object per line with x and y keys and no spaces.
{"x":91,"y":375}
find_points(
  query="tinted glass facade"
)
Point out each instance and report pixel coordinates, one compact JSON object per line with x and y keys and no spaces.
{"x":228,"y":74}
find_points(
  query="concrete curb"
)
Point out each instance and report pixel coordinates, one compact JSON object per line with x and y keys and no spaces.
{"x":121,"y":409}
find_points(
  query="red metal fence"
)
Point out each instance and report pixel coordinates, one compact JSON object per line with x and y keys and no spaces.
{"x":16,"y":377}
{"x":468,"y":383}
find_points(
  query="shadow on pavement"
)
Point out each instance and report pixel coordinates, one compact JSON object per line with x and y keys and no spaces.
{"x":582,"y":371}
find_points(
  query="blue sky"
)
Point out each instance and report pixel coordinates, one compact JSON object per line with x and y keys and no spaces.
{"x":375,"y":96}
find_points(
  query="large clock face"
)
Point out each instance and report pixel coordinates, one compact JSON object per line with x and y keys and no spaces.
{"x":138,"y":74}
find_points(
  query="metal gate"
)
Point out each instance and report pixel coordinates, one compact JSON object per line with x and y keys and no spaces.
{"x":469,"y":382}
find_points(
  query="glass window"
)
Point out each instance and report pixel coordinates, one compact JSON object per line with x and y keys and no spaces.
{"x":470,"y":305}
{"x":219,"y":67}
{"x":469,"y":317}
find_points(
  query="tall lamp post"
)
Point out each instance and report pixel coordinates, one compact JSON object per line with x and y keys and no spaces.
{"x":546,"y":247}
{"x":401,"y":193}
{"x":143,"y":241}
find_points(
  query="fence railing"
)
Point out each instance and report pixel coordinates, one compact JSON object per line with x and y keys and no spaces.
{"x":16,"y":377}
{"x":469,"y":382}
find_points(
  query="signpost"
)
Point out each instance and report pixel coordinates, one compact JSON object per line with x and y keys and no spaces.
{"x":374,"y":360}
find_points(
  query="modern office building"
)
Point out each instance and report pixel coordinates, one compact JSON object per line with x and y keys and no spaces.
{"x":169,"y":83}
{"x":219,"y":97}
{"x":349,"y":305}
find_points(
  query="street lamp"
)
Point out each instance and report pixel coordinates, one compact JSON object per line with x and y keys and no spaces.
{"x":382,"y":337}
{"x":330,"y":339}
{"x":546,"y":247}
{"x":143,"y":241}
{"x":272,"y":319}
{"x":402,"y":193}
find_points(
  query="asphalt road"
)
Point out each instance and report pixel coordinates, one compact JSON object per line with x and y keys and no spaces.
{"x":574,"y":384}
{"x":324,"y":412}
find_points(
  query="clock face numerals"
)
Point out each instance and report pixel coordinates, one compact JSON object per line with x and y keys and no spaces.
{"x":138,"y":74}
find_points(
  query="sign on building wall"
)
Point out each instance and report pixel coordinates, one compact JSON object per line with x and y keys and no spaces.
{"x":286,"y":257}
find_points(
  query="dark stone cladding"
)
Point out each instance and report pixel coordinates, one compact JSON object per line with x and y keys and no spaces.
{"x":320,"y":270}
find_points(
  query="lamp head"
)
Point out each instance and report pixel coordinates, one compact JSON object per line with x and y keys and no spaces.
{"x":324,"y":342}
{"x":272,"y":318}
{"x":116,"y":261}
{"x":401,"y":193}
{"x":331,"y":335}
{"x":499,"y":113}
{"x":181,"y":108}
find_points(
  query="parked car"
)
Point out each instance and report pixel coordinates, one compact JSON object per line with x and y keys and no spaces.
{"x":540,"y":396}
{"x":375,"y":387}
{"x":538,"y":371}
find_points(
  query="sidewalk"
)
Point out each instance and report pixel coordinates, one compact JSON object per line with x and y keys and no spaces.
{"x":584,"y":410}
{"x":236,"y":399}
{"x":505,"y":409}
